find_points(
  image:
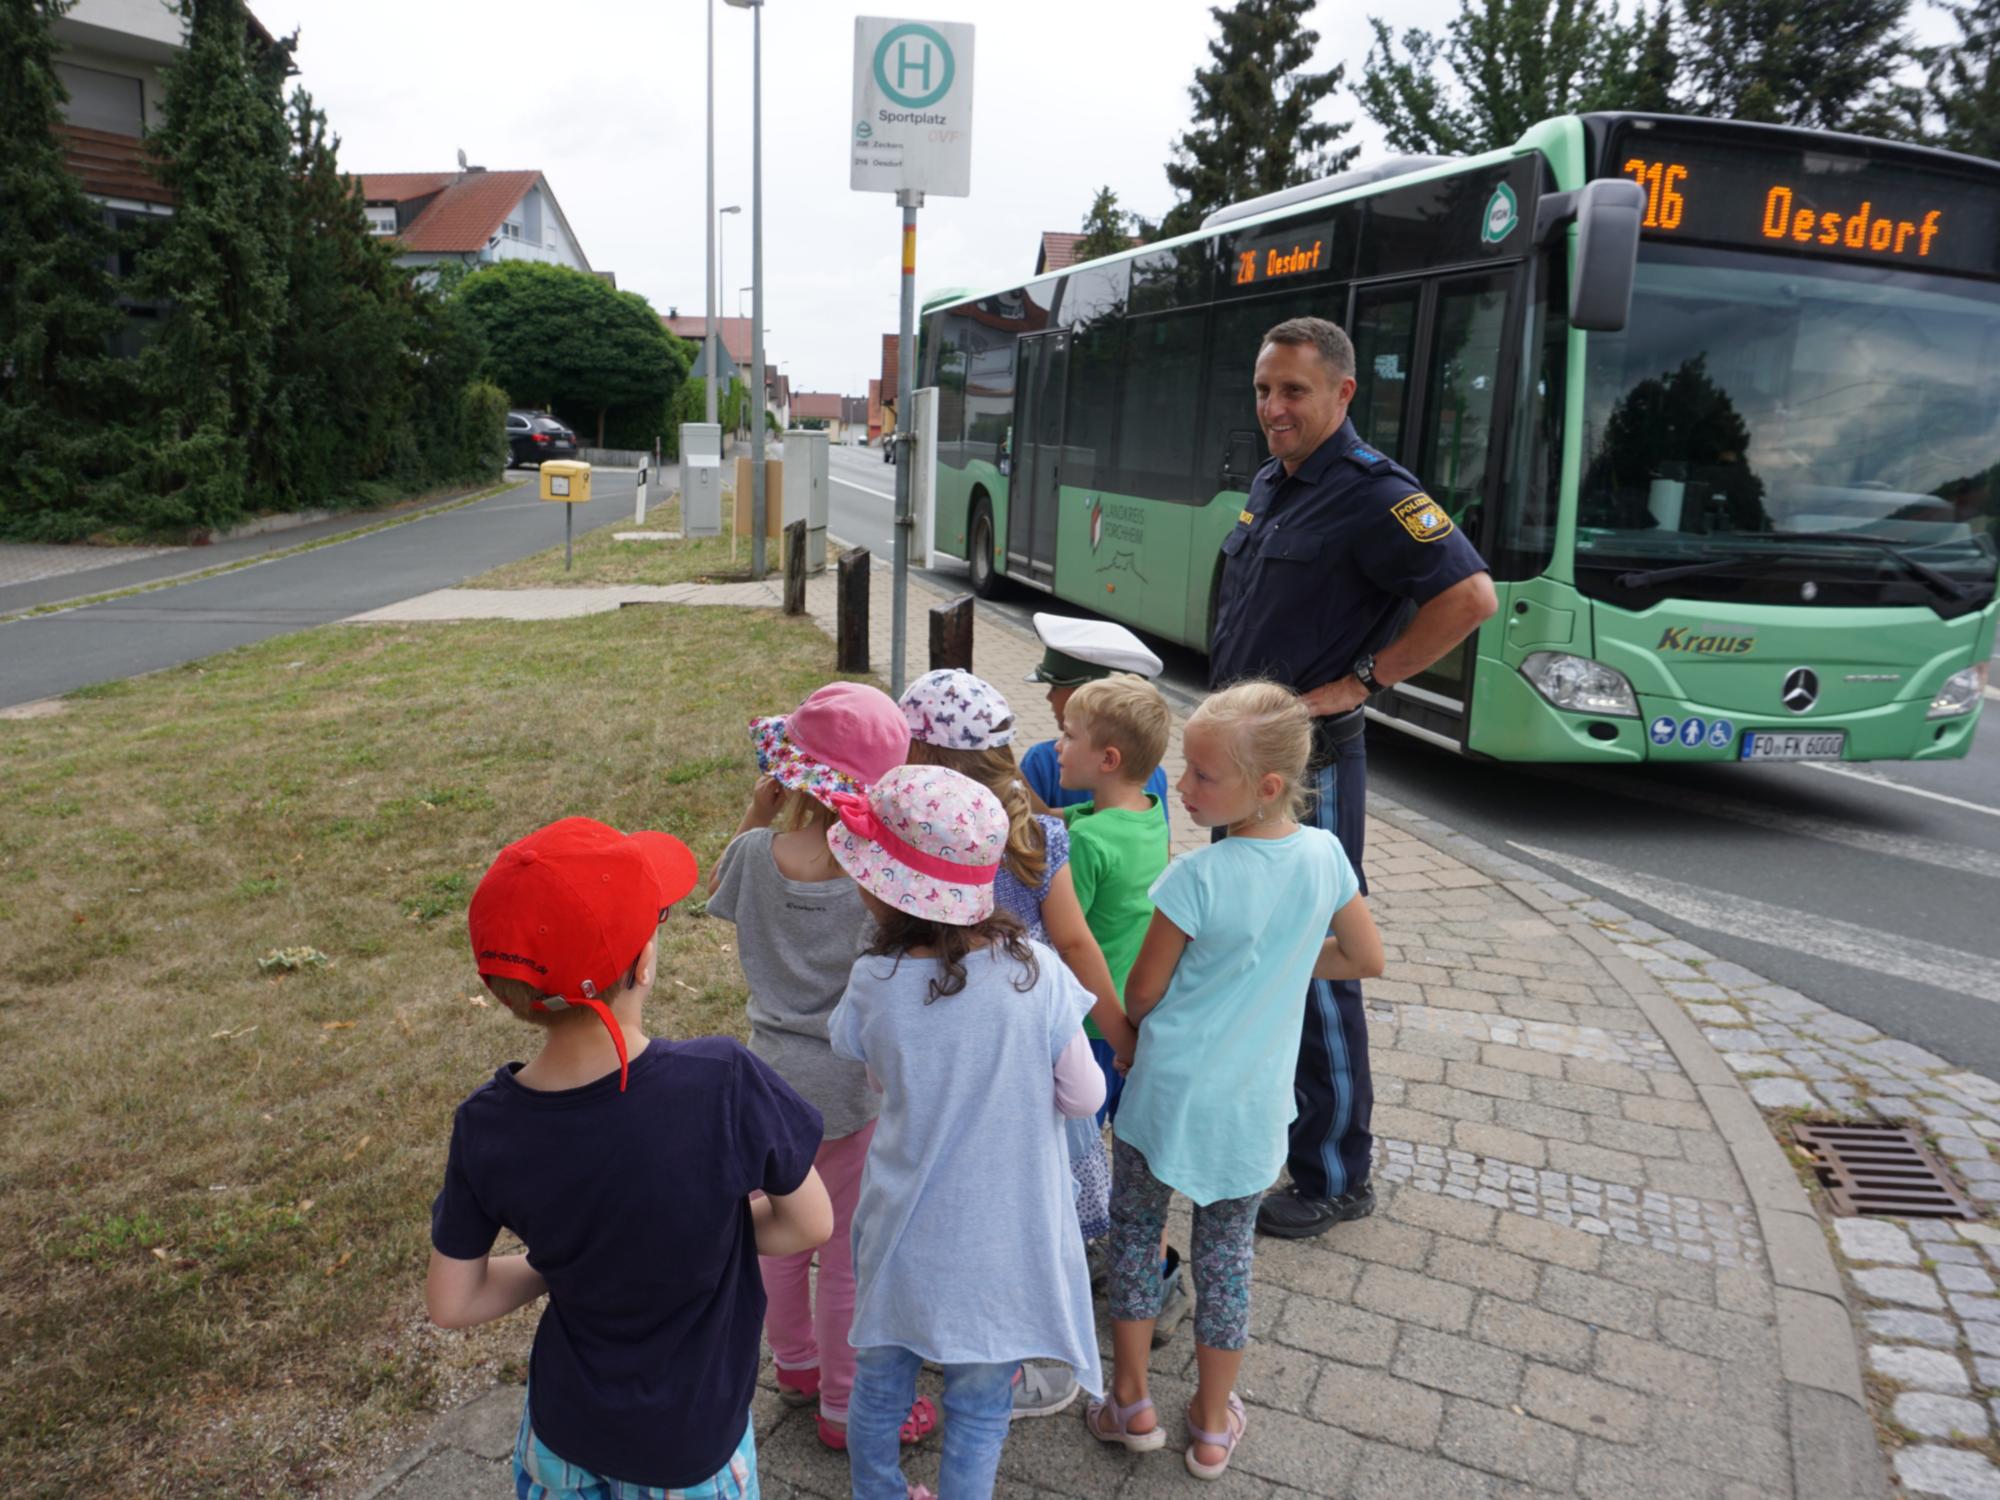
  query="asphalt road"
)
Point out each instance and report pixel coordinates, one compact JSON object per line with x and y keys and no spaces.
{"x":1870,"y":888}
{"x":45,"y":655}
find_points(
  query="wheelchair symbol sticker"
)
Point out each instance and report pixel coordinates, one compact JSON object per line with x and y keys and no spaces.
{"x":1720,"y":734}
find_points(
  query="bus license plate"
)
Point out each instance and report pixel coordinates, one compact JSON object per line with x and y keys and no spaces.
{"x":1763,"y":744}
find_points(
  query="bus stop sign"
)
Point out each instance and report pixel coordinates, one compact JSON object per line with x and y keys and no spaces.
{"x":912,"y":124}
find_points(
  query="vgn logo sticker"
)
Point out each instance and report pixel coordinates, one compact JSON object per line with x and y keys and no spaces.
{"x":1503,"y":212}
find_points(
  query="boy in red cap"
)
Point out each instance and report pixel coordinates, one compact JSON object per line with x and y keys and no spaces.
{"x":627,"y":1167}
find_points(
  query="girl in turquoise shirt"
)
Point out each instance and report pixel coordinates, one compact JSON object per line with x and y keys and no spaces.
{"x":1218,"y":994}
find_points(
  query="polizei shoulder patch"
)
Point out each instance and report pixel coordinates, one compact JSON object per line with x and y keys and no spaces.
{"x":1422,"y":517}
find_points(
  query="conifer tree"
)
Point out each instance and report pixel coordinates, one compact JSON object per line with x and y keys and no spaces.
{"x":1830,"y":64}
{"x":1104,"y":231}
{"x":218,"y":267}
{"x":1254,"y":129}
{"x":1963,"y":87}
{"x":58,"y":382}
{"x":1502,"y":66}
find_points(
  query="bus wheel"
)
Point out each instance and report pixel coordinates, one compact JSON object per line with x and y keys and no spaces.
{"x":979,"y":552}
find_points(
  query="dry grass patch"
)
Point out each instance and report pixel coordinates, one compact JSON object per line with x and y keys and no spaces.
{"x":214,"y":1209}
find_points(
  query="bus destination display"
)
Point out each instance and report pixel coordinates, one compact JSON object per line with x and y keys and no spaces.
{"x":1812,"y":203}
{"x":1278,"y":259}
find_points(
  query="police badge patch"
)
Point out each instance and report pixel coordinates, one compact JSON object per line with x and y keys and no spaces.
{"x":1422,"y":517}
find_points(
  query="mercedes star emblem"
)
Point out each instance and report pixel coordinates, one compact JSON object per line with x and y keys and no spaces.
{"x":1809,"y":591}
{"x":1801,"y":689}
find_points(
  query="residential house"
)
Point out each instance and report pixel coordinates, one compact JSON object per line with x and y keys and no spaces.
{"x":733,"y":334}
{"x":1057,"y":251}
{"x":832,"y":411}
{"x":470,"y":217}
{"x":113,"y":61}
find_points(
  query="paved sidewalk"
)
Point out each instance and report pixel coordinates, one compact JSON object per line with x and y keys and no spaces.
{"x":1592,"y":1272}
{"x":27,"y":562}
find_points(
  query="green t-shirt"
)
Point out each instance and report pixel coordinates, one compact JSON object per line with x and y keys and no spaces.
{"x":1114,"y":858}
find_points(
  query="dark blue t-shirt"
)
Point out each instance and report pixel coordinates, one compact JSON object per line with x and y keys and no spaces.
{"x":1323,"y":563}
{"x":1042,"y":770}
{"x":635,"y":1209}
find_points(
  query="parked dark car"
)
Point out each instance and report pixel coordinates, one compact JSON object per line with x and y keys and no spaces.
{"x":535,"y":435}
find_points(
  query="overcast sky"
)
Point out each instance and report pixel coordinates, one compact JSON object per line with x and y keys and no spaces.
{"x":606,"y":97}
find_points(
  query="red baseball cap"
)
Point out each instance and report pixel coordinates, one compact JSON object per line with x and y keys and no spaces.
{"x":568,"y":908}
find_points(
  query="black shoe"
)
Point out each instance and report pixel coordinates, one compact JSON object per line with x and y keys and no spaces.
{"x":1289,"y":1214}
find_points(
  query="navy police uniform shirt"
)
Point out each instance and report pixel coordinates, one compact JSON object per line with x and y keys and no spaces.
{"x":1322,"y":562}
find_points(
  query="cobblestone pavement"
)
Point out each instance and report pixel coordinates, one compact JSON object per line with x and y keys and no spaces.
{"x":23,"y":562}
{"x":1592,"y":1271}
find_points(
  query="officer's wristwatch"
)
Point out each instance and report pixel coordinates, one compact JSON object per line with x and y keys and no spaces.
{"x":1364,"y":673}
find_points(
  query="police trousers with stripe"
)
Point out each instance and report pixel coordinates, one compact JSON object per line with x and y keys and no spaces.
{"x":1330,"y":1142}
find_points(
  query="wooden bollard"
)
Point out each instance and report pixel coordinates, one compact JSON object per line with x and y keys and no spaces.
{"x":795,"y":568}
{"x":951,"y":634}
{"x":850,"y":648}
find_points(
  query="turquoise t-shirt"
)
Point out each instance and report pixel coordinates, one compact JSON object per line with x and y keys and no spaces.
{"x":1209,"y":1100}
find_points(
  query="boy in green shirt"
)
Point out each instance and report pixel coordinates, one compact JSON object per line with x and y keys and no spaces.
{"x":1114,"y":734}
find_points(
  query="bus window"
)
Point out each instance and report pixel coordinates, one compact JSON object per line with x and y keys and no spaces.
{"x":1524,"y":539}
{"x":1161,"y":384}
{"x":1464,"y":377}
{"x":1385,"y":347}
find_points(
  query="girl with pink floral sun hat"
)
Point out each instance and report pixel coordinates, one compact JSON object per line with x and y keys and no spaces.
{"x":966,"y":1246}
{"x":800,"y":923}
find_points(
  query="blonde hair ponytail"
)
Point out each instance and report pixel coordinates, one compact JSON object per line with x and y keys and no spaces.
{"x":1027,"y":849}
{"x":1265,"y":730}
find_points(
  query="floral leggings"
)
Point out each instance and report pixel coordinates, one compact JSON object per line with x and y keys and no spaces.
{"x":1225,"y":1233}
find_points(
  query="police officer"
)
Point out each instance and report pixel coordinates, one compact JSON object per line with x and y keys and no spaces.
{"x":1336,"y":543}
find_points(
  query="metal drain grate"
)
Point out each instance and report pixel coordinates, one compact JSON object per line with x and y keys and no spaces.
{"x":1870,"y":1168}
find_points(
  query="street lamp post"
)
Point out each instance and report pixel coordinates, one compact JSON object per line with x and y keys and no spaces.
{"x":715,"y":293}
{"x":757,"y":496}
{"x":708,"y":328}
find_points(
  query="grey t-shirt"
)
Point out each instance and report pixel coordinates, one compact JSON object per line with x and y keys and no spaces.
{"x":798,"y":940}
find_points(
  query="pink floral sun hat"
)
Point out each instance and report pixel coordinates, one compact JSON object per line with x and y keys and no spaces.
{"x":957,"y":711}
{"x":925,"y":840}
{"x":840,"y":740}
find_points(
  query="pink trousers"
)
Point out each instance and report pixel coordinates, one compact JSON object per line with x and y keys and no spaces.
{"x":808,"y":1332}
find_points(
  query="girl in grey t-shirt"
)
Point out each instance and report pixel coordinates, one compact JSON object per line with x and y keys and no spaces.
{"x":800,"y":925}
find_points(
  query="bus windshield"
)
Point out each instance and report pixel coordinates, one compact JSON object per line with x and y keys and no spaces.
{"x":1785,"y":420}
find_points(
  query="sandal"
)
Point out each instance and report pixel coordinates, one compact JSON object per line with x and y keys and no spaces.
{"x":1239,"y":1423}
{"x":799,"y":1387}
{"x":920,"y":1424}
{"x":1119,"y":1430}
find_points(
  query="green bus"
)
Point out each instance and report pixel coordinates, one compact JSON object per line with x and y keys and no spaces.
{"x":1718,"y":402}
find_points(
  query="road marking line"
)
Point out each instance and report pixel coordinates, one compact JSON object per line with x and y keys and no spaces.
{"x":1993,"y":692}
{"x":1800,"y":932}
{"x":878,"y":494}
{"x":1897,"y":786}
{"x":1957,"y":857}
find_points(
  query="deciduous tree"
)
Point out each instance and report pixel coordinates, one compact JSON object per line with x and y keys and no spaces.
{"x":1831,"y":64}
{"x":1962,"y":91}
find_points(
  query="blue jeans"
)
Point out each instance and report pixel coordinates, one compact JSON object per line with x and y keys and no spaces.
{"x":978,"y":1404}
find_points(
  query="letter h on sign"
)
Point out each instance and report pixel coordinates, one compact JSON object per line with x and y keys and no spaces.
{"x":905,"y":67}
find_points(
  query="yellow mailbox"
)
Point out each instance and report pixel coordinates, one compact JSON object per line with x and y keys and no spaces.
{"x":566,"y":480}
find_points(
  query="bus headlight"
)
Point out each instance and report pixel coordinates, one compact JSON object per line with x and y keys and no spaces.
{"x":1960,"y":694}
{"x":1579,"y":685}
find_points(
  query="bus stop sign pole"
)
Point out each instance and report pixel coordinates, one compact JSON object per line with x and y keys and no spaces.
{"x":909,"y":200}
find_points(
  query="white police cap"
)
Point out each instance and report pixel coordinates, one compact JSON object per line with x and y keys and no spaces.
{"x":1078,"y":651}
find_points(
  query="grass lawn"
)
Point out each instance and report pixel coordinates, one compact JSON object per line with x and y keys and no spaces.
{"x":214,"y":1208}
{"x":601,"y":561}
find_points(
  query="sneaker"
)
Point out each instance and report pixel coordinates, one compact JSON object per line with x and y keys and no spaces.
{"x":1042,"y":1390}
{"x":1097,"y":1255}
{"x":1173,"y":1302}
{"x":1289,"y":1214}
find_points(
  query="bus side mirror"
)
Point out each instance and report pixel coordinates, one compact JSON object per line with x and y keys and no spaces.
{"x":1607,"y":214}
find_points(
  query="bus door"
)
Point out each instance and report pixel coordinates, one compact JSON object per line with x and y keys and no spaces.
{"x":1039,"y":397}
{"x":1461,"y":435}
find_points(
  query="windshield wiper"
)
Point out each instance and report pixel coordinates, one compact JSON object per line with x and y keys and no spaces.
{"x":1685,"y":570}
{"x":1950,"y":587}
